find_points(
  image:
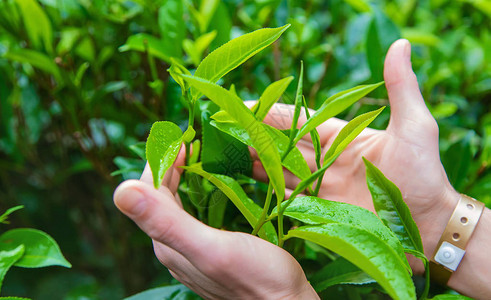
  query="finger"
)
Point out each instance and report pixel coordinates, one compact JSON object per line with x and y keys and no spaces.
{"x":182,"y":269}
{"x":410,"y":118}
{"x":161,"y":218}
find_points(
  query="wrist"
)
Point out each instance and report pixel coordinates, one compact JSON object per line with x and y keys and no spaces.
{"x":432,"y":224}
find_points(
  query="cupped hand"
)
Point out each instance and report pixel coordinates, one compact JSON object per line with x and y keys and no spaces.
{"x":215,"y":264}
{"x":406,"y":152}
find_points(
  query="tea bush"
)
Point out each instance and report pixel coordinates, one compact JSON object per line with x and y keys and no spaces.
{"x":81,"y":82}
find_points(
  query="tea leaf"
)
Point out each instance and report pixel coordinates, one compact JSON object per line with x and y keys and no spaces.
{"x":196,"y":48}
{"x":222,"y":153}
{"x":216,"y":208}
{"x":314,"y":135}
{"x":261,"y":140}
{"x":334,"y":105}
{"x":314,"y":211}
{"x":391,"y":208}
{"x":37,"y":24}
{"x":366,"y":251}
{"x":270,"y":96}
{"x":143,"y":42}
{"x":162,"y":147}
{"x":231,"y":55}
{"x":349,"y":132}
{"x":40,"y":249}
{"x":175,"y":70}
{"x":35,"y":59}
{"x":339,"y":271}
{"x":4,"y":216}
{"x":7,"y":259}
{"x":172,"y":26}
{"x":236,"y":194}
{"x":294,"y":162}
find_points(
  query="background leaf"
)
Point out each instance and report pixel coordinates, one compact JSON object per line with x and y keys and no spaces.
{"x":172,"y":27}
{"x":40,"y":250}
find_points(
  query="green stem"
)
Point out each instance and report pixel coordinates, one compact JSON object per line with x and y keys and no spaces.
{"x":318,"y":185}
{"x":424,"y":295}
{"x":267,"y":203}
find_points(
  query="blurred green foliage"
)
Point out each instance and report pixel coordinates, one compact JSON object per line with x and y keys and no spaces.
{"x":81,"y":81}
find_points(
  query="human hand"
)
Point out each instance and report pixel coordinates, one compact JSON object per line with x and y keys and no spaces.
{"x":215,"y":264}
{"x":406,"y":152}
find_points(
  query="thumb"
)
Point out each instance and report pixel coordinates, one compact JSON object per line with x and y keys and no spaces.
{"x":409,"y":117}
{"x":161,"y":218}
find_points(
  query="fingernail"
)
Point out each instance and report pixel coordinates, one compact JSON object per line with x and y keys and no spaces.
{"x":407,"y":49}
{"x":130,"y":201}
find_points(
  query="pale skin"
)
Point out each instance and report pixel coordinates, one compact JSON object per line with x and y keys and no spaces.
{"x":219,"y":264}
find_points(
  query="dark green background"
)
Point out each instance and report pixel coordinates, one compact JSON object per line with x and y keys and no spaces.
{"x":58,"y":143}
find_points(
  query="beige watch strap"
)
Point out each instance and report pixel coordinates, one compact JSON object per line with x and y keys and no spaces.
{"x":457,"y":233}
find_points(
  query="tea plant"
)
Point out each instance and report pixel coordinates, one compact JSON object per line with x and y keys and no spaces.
{"x":27,"y":248}
{"x":372,"y":246}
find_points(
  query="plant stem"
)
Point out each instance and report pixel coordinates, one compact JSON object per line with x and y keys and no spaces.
{"x":267,"y":203}
{"x":424,"y":295}
{"x":318,"y":185}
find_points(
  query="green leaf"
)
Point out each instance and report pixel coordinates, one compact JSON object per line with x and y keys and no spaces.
{"x":314,"y":211}
{"x":4,"y":216}
{"x":41,"y":250}
{"x":349,"y":132}
{"x":138,"y":149}
{"x":339,"y":271}
{"x":172,"y":26}
{"x":457,"y":160}
{"x":143,"y":42}
{"x":366,"y":251}
{"x":35,"y":59}
{"x":178,"y":291}
{"x":222,"y":153}
{"x":195,"y":49}
{"x":37,"y":24}
{"x":261,"y":140}
{"x":314,"y":135}
{"x":391,"y":208}
{"x":294,"y":162}
{"x":231,"y":55}
{"x":8,"y":259}
{"x":381,"y":33}
{"x":163,"y":144}
{"x":177,"y":69}
{"x":334,"y":105}
{"x":216,"y":208}
{"x":270,"y":96}
{"x":236,"y":194}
